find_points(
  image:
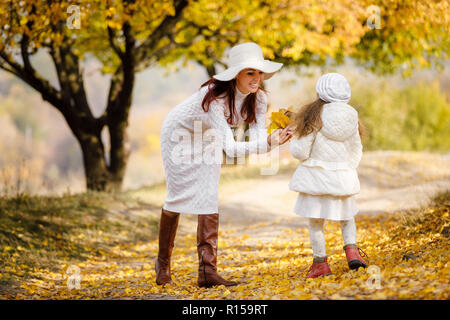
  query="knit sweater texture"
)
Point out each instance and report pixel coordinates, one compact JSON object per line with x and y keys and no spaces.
{"x":192,"y":141}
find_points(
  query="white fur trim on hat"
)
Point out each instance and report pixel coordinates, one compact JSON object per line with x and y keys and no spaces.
{"x":333,"y":87}
{"x":247,"y":55}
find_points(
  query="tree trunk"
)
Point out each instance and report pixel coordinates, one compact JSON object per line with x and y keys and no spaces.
{"x":99,"y":175}
{"x":95,"y":169}
{"x":119,"y":153}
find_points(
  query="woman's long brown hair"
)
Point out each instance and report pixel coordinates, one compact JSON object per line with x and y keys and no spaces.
{"x":227,"y":89}
{"x":309,"y":120}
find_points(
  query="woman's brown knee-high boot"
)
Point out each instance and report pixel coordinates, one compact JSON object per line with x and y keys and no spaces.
{"x":207,"y":234}
{"x":167,"y":231}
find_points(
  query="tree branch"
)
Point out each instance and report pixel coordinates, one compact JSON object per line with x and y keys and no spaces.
{"x":144,"y":51}
{"x":123,"y":79}
{"x":25,"y":56}
{"x":48,"y":92}
{"x":71,"y":81}
{"x":4,"y":67}
{"x":114,"y":45}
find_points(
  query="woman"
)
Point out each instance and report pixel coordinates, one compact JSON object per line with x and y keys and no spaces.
{"x":192,"y":182}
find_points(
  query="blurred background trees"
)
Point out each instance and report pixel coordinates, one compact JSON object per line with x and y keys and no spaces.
{"x":61,"y":48}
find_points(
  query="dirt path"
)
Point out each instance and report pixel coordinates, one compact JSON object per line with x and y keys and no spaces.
{"x":390,"y":181}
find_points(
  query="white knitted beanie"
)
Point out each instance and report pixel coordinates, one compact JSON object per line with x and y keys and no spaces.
{"x":333,"y":87}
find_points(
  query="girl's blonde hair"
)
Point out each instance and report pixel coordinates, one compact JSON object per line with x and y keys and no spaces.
{"x":309,"y":120}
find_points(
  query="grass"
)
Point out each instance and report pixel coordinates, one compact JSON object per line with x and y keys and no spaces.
{"x":432,"y":219}
{"x":38,"y":232}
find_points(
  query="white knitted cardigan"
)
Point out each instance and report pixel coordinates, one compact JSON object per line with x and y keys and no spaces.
{"x":192,"y":186}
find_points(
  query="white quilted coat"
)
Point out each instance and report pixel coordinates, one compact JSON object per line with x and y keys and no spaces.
{"x":329,"y":158}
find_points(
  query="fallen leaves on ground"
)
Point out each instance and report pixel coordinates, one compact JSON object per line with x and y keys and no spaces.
{"x":271,"y":270}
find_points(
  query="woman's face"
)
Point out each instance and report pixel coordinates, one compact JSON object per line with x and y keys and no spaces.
{"x":249,"y":80}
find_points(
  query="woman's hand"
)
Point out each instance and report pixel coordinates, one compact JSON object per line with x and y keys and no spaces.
{"x":280,"y":136}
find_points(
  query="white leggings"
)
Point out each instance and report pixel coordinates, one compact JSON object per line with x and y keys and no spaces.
{"x":317,"y":238}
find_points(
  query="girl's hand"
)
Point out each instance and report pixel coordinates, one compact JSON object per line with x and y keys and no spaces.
{"x":280,"y":136}
{"x":289,"y":113}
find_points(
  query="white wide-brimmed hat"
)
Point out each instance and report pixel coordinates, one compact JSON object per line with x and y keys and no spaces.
{"x":247,"y":55}
{"x":333,"y":87}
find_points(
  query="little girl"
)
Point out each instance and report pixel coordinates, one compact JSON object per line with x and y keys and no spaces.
{"x":329,"y":148}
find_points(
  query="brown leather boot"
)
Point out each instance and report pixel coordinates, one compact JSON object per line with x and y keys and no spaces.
{"x":207,"y":234}
{"x":167,"y":231}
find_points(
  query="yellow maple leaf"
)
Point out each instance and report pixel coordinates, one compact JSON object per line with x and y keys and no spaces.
{"x":279,"y":120}
{"x":272,"y":128}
